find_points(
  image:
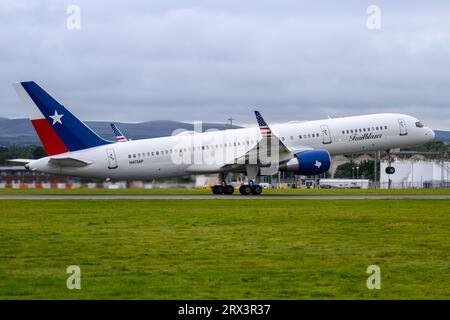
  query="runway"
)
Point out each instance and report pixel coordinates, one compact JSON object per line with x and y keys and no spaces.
{"x":221,"y":197}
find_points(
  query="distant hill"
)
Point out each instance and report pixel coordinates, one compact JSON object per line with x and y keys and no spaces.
{"x":21,"y":132}
{"x":443,"y":136}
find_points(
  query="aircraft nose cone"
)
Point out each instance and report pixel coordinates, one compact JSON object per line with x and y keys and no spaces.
{"x":430,"y":133}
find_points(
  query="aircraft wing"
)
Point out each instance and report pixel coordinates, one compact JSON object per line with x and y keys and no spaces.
{"x":69,"y":162}
{"x":267,"y":144}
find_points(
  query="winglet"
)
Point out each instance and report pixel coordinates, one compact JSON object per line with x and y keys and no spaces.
{"x":260,"y":119}
{"x":118,"y":134}
{"x":265,"y":130}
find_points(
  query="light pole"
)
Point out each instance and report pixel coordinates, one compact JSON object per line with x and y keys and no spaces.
{"x":231,"y":122}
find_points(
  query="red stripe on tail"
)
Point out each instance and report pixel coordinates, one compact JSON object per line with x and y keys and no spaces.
{"x":50,"y":140}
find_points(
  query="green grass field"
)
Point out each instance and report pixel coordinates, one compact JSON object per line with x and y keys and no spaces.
{"x":225,"y":249}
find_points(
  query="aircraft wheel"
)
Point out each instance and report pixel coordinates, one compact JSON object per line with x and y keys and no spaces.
{"x":390,"y":170}
{"x":229,"y":189}
{"x":217,"y":189}
{"x":256,"y":190}
{"x":245,"y":189}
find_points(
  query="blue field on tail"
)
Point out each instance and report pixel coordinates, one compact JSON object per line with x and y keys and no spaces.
{"x":73,"y":132}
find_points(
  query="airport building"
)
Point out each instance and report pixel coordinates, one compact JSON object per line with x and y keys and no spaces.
{"x":416,"y":174}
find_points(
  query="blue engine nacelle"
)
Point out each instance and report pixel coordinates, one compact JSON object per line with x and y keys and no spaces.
{"x":308,"y":163}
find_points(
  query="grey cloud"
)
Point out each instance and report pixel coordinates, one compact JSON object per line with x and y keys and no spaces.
{"x":209,"y":60}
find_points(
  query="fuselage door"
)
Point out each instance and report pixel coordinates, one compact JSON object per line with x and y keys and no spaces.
{"x":402,"y":127}
{"x":112,"y":160}
{"x":326,"y":134}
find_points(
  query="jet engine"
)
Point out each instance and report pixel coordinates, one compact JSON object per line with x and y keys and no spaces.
{"x":308,"y":163}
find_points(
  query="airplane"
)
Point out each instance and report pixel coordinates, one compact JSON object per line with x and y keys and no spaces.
{"x":118,"y":134}
{"x":304,"y":148}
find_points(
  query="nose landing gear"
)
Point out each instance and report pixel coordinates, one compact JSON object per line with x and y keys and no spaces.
{"x":390,"y":170}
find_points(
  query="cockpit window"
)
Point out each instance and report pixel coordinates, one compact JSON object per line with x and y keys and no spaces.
{"x":419,"y":124}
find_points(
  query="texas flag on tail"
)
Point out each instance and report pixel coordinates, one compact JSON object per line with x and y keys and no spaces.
{"x":58,"y":129}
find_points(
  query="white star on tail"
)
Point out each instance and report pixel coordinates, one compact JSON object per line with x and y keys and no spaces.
{"x":318,"y":164}
{"x":56,"y":118}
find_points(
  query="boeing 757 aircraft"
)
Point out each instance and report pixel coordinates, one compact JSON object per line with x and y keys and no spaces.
{"x":304,"y":148}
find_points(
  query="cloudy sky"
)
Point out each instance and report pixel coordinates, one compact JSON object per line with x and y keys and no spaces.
{"x":209,"y":60}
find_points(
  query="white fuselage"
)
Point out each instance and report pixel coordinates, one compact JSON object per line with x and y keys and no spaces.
{"x":208,"y":152}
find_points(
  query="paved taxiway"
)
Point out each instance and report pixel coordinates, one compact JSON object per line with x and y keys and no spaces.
{"x":207,"y":196}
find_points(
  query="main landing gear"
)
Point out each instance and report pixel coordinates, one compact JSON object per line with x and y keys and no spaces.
{"x":222,"y":187}
{"x":246,"y":189}
{"x":252,"y":188}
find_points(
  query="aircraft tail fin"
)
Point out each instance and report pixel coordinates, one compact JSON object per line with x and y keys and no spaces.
{"x":58,"y":129}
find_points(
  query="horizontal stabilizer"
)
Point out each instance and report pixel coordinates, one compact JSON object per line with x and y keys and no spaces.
{"x":69,"y":162}
{"x":21,"y":161}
